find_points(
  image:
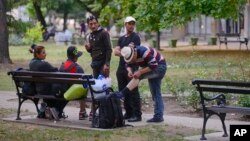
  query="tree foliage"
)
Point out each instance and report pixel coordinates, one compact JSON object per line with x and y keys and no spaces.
{"x":154,"y":15}
{"x":34,"y":34}
{"x":93,"y":6}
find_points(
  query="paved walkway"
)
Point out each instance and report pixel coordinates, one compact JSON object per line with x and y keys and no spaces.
{"x":9,"y":100}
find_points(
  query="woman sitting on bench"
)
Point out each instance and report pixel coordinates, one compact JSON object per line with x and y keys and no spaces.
{"x":50,"y":108}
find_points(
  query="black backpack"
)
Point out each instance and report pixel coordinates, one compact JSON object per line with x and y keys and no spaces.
{"x":109,"y":113}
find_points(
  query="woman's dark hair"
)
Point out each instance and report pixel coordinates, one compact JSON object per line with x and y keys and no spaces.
{"x":90,"y":18}
{"x":36,"y":49}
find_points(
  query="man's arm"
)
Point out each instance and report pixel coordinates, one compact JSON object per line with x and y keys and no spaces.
{"x":118,"y":48}
{"x":140,"y":72}
{"x":107,"y":45}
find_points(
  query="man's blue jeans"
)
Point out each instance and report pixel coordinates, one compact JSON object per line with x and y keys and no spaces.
{"x":154,"y":79}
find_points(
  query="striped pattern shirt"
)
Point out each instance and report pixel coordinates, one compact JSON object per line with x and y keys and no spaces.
{"x":148,"y":57}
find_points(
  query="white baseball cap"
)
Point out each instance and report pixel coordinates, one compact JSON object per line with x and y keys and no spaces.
{"x":127,"y":53}
{"x":129,"y":19}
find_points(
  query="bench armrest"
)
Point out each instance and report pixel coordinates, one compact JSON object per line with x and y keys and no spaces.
{"x":220,"y":98}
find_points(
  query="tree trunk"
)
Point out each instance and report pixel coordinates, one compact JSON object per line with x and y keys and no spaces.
{"x":39,"y":14}
{"x":158,"y":35}
{"x":4,"y":44}
{"x":65,"y":18}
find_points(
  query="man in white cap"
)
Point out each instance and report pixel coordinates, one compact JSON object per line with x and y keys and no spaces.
{"x":132,"y":102}
{"x":153,"y":67}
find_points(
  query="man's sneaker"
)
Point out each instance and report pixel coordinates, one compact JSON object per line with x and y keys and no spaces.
{"x":83,"y":115}
{"x":127,"y":116}
{"x":54,"y":113}
{"x":155,"y":120}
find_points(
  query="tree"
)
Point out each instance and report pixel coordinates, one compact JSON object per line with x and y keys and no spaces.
{"x":4,"y":44}
{"x":155,"y":15}
{"x":37,"y":6}
{"x":93,"y":6}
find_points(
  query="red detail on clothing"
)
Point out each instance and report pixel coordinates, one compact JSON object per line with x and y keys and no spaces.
{"x":68,"y":64}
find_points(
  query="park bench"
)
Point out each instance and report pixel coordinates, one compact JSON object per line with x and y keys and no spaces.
{"x":232,"y":37}
{"x":22,"y":76}
{"x":216,"y":104}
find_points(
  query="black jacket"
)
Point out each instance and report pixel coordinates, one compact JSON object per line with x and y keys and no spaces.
{"x":100,"y":46}
{"x":42,"y":66}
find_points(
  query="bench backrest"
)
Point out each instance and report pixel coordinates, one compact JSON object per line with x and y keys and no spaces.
{"x":23,"y":75}
{"x":222,"y":86}
{"x":228,"y":34}
{"x":51,"y":77}
{"x":55,"y":77}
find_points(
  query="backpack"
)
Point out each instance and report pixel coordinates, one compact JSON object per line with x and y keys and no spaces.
{"x":28,"y":88}
{"x":109,"y":113}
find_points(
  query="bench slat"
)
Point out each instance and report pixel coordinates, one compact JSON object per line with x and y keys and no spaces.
{"x":53,"y":80}
{"x":225,"y":90}
{"x":221,"y":82}
{"x":39,"y":96}
{"x":230,"y":109}
{"x":50,"y":74}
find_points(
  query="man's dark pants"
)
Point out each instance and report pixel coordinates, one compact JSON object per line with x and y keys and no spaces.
{"x":132,"y":101}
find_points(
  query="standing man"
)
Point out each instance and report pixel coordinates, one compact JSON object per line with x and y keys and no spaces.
{"x":99,"y":47}
{"x":153,"y":67}
{"x":132,"y":102}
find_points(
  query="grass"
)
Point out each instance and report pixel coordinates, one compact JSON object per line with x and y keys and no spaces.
{"x":183,"y":66}
{"x":10,"y":131}
{"x":25,"y":132}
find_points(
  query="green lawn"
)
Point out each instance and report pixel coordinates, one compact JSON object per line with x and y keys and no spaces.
{"x":10,"y":131}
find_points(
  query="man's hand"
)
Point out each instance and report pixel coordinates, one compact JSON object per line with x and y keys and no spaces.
{"x":137,"y":74}
{"x":117,"y":51}
{"x":87,"y":46}
{"x":105,"y":70}
{"x":130,"y":73}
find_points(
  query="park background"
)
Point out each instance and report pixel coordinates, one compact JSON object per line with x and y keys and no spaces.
{"x":158,"y":22}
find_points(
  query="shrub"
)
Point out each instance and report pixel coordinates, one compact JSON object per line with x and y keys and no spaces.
{"x":193,"y":99}
{"x":33,"y":35}
{"x":170,"y":85}
{"x":15,"y":40}
{"x":244,"y":101}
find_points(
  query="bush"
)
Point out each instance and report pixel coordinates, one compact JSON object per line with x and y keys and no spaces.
{"x":33,"y":35}
{"x":170,"y":85}
{"x":244,"y":101}
{"x":193,"y":99}
{"x":15,"y":40}
{"x":19,"y":27}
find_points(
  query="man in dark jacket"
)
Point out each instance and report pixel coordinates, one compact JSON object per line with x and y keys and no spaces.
{"x":132,"y":102}
{"x":99,"y":47}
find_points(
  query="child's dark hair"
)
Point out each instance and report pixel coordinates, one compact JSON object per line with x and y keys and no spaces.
{"x":90,"y":18}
